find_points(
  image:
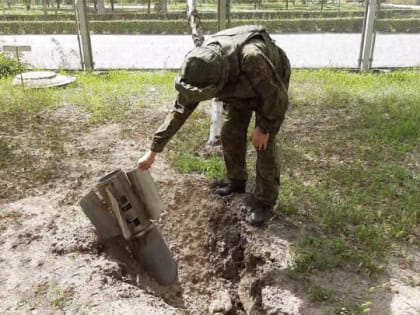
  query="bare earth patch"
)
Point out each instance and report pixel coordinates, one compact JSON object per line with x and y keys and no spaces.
{"x":52,"y":262}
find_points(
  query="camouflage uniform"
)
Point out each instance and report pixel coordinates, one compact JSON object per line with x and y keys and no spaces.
{"x":243,"y":68}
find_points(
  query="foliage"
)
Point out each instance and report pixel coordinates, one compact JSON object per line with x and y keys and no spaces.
{"x":411,"y":25}
{"x":211,"y":167}
{"x":113,"y":96}
{"x":355,"y":181}
{"x":17,"y":101}
{"x":9,"y":66}
{"x":34,"y":140}
{"x":185,"y":147}
{"x":181,"y":16}
{"x":341,"y":25}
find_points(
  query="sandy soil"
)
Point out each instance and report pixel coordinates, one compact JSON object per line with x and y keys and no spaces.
{"x":52,"y":262}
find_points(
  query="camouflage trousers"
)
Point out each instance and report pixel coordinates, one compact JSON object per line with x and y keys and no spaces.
{"x":234,"y":142}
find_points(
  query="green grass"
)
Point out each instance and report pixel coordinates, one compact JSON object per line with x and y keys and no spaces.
{"x":107,"y":96}
{"x":349,"y":150}
{"x":349,"y":147}
{"x":212,"y":167}
{"x":20,"y":101}
{"x":10,"y":66}
{"x":33,"y":144}
{"x":349,"y":172}
{"x":116,"y":95}
{"x":320,"y":294}
{"x":186,"y":146}
{"x":360,"y":187}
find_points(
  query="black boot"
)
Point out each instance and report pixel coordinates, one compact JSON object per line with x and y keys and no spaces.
{"x":259,"y":214}
{"x":235,"y":186}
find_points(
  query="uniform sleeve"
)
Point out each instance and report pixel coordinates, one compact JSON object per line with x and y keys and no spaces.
{"x":265,"y":80}
{"x":173,"y":121}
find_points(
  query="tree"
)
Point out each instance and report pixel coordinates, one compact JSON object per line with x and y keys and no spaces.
{"x":149,"y":4}
{"x":165,"y":7}
{"x":101,"y":6}
{"x":27,"y":4}
{"x":161,"y":6}
{"x":45,"y":4}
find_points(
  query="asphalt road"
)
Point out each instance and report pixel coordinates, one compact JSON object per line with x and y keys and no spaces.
{"x":167,"y":51}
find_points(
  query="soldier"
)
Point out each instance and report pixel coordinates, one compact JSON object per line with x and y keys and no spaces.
{"x":245,"y":70}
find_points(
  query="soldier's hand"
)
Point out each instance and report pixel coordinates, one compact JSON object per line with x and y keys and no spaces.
{"x":146,"y":160}
{"x":259,"y":139}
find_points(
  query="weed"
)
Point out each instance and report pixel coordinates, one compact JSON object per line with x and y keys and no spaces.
{"x":10,"y":66}
{"x":211,"y":168}
{"x":61,"y":297}
{"x":186,"y":146}
{"x":320,"y":294}
{"x":413,"y":281}
{"x":352,"y":309}
{"x":17,"y":101}
{"x":114,"y":96}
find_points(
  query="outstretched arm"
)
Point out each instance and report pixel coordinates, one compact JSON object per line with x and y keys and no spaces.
{"x":174,"y":120}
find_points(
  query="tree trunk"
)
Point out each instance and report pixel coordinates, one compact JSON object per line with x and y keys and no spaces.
{"x":165,"y":8}
{"x":44,"y":7}
{"x":101,"y":7}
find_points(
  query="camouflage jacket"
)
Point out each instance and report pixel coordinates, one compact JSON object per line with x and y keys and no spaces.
{"x":256,"y":77}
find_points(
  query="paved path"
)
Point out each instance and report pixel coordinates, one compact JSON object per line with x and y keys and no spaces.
{"x":167,"y":51}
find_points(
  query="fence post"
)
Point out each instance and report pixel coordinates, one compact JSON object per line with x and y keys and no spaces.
{"x":221,"y":15}
{"x":44,"y":7}
{"x":83,"y":32}
{"x":368,"y":35}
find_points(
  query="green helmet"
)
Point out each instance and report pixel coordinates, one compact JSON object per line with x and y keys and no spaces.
{"x":202,"y":72}
{"x":202,"y":67}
